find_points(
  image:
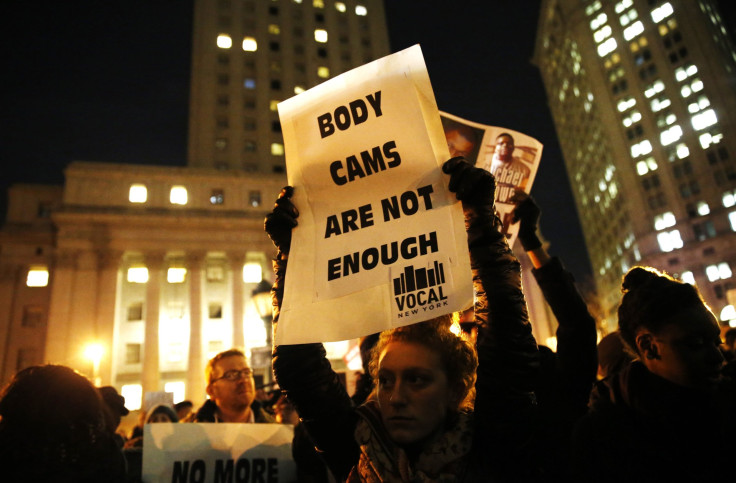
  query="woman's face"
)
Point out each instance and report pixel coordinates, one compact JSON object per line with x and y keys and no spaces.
{"x":414,"y":394}
{"x":688,"y":351}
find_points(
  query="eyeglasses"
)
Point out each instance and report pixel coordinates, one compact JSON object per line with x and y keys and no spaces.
{"x":235,"y":375}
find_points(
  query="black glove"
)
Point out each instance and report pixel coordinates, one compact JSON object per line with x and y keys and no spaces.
{"x":475,"y":188}
{"x":279,"y":223}
{"x":527,"y":213}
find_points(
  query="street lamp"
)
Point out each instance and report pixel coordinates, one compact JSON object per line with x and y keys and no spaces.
{"x":261,"y":297}
{"x":94,"y":352}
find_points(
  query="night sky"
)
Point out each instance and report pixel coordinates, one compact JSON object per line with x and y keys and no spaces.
{"x":108,"y":81}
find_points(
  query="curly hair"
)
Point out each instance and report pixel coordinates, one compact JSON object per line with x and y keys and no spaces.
{"x":53,"y":428}
{"x":457,"y":355}
{"x":652,"y":299}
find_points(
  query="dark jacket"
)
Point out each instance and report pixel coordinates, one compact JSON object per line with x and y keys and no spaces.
{"x":642,"y":427}
{"x":508,"y":361}
{"x":567,"y":375}
{"x":206,"y":413}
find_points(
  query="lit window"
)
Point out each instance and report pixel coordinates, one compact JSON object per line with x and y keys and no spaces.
{"x":138,"y":274}
{"x":669,"y":241}
{"x":622,"y":5}
{"x":633,"y":30}
{"x":318,"y":3}
{"x":177,"y":389}
{"x":732,"y":219}
{"x":274,"y":105}
{"x":660,"y":103}
{"x":323,"y":72}
{"x":340,"y":7}
{"x":728,"y":314}
{"x":682,"y":151}
{"x":277,"y":149}
{"x":703,"y":208}
{"x":670,"y":135}
{"x":176,"y":275}
{"x":722,"y":271}
{"x":320,"y":35}
{"x":644,"y":147}
{"x":274,"y":29}
{"x":729,"y":199}
{"x":706,"y":139}
{"x":224,"y":41}
{"x":662,"y":12}
{"x":298,"y":89}
{"x":602,"y":34}
{"x":132,"y":393}
{"x":252,"y":272}
{"x":37,"y":277}
{"x":593,"y":7}
{"x":688,"y":277}
{"x":655,"y":88}
{"x":704,"y":119}
{"x":645,"y":166}
{"x":361,"y":11}
{"x":178,"y":195}
{"x":249,"y":83}
{"x":599,"y":20}
{"x":665,"y":220}
{"x":137,"y":193}
{"x":250,"y":44}
{"x":625,"y":104}
{"x":607,"y":47}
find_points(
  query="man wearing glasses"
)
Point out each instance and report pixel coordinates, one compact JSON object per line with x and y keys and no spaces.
{"x":232,"y":392}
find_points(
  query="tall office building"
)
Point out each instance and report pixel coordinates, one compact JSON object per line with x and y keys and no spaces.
{"x":643,"y":96}
{"x":250,"y":54}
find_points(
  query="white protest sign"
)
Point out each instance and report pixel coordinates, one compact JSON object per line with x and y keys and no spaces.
{"x":222,"y":452}
{"x":381,"y":242}
{"x":512,"y":157}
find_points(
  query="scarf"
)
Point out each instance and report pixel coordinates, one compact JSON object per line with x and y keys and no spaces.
{"x":444,"y":460}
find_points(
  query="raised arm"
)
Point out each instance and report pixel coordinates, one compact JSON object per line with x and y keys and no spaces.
{"x":507,"y":352}
{"x":303,"y":371}
{"x":577,"y":359}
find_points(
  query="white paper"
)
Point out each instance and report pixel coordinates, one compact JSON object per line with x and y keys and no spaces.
{"x":208,"y":452}
{"x":364,"y":152}
{"x":478,"y":143}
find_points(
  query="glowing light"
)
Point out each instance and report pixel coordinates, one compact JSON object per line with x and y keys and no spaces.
{"x":137,"y":274}
{"x":320,"y":35}
{"x":138,"y":193}
{"x":178,"y":195}
{"x":252,"y":272}
{"x":176,"y":275}
{"x":250,"y":44}
{"x":224,"y":41}
{"x":37,"y":277}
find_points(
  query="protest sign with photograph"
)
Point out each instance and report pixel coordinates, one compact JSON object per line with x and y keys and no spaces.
{"x":512,"y":157}
{"x":381,"y":242}
{"x":223,"y":452}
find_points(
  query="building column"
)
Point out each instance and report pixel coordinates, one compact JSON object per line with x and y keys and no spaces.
{"x":236,"y":271}
{"x":195,"y":389}
{"x":150,"y":377}
{"x":107,"y":281}
{"x":10,"y":283}
{"x":82,"y":316}
{"x":57,"y":333}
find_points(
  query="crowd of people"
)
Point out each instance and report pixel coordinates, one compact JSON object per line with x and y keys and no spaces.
{"x":654,"y":401}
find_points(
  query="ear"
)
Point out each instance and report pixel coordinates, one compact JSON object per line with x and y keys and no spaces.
{"x":646,"y":345}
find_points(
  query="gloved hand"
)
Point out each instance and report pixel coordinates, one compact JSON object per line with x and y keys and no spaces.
{"x":527,"y":213}
{"x":475,"y":188}
{"x":279,"y":223}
